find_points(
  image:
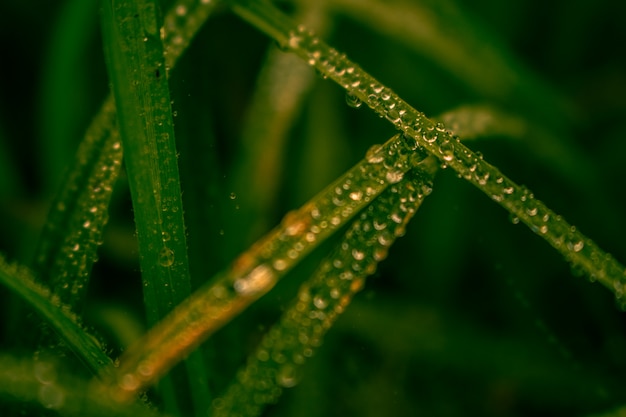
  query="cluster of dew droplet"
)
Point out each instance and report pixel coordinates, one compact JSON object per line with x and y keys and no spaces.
{"x":276,"y":362}
{"x":82,"y":232}
{"x":301,"y":230}
{"x":420,"y":133}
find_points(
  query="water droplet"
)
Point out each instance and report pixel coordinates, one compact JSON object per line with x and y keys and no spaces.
{"x":447,"y":150}
{"x":576,"y":246}
{"x":286,"y":376}
{"x":166,"y":257}
{"x":145,"y":369}
{"x":353,"y":101}
{"x":232,"y":196}
{"x":373,"y":155}
{"x":356,"y":195}
{"x":320,"y":302}
{"x":261,"y":278}
{"x":393,"y":177}
{"x":430,"y":135}
{"x":357,"y":254}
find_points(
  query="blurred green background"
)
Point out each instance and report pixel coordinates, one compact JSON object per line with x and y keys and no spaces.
{"x":470,"y":314}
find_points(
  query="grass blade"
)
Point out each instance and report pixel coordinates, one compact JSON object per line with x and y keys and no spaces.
{"x":136,"y":67}
{"x":577,"y":249}
{"x":286,"y":347}
{"x":87,"y":188}
{"x":146,"y":126}
{"x":49,"y":306}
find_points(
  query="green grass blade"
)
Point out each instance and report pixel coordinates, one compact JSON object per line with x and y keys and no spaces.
{"x":577,"y":249}
{"x":135,"y":60}
{"x":256,"y":271}
{"x":136,"y":67}
{"x":277,"y":361}
{"x":58,"y":315}
{"x":50,"y":387}
{"x":67,"y":246}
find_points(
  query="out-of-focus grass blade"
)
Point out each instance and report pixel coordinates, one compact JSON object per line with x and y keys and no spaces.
{"x":67,"y":248}
{"x":277,"y":361}
{"x":58,"y":315}
{"x":48,"y":385}
{"x":64,"y":87}
{"x":282,"y":86}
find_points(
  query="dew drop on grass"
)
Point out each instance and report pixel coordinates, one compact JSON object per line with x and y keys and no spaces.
{"x":353,"y":101}
{"x":373,"y":155}
{"x":286,"y":376}
{"x":166,"y":257}
{"x":394,"y":177}
{"x":320,"y":302}
{"x":259,"y":279}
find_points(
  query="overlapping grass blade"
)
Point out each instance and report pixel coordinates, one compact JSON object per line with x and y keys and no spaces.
{"x":577,"y":249}
{"x":57,"y":315}
{"x":277,"y":362}
{"x":257,"y":270}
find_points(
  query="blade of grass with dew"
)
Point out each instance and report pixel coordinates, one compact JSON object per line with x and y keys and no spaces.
{"x":257,"y":270}
{"x":277,"y":361}
{"x":73,"y":231}
{"x":580,"y":251}
{"x":50,"y":386}
{"x":67,"y":246}
{"x":134,"y":52}
{"x":282,"y":86}
{"x":471,"y":121}
{"x":48,"y":305}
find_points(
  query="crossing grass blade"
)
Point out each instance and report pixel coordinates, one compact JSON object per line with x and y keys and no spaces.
{"x":276,"y":363}
{"x":257,"y":270}
{"x":580,"y":251}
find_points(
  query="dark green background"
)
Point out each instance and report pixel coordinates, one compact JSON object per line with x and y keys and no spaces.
{"x":470,"y":314}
